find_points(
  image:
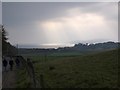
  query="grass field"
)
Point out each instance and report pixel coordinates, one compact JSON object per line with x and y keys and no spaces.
{"x":88,"y":71}
{"x":98,"y":70}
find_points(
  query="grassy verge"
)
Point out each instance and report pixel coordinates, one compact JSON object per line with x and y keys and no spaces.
{"x":23,"y":80}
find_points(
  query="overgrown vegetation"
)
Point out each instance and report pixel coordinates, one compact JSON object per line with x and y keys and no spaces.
{"x":23,"y":80}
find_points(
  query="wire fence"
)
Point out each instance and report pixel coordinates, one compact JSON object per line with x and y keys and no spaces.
{"x":36,"y":81}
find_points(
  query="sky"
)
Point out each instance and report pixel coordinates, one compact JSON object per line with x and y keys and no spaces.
{"x":0,"y":12}
{"x":59,"y":24}
{"x":60,"y":0}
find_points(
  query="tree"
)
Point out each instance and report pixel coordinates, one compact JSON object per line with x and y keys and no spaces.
{"x":0,"y":40}
{"x":4,"y":41}
{"x":4,"y":34}
{"x":7,"y":48}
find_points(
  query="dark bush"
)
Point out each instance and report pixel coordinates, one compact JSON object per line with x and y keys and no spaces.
{"x":51,"y":68}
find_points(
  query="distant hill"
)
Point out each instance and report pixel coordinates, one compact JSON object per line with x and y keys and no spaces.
{"x":93,"y":47}
{"x":81,"y":48}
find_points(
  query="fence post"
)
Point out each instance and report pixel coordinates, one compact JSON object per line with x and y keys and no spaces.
{"x":42,"y":81}
{"x":31,"y":71}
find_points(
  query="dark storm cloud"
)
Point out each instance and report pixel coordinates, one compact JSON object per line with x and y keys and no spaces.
{"x":24,"y":12}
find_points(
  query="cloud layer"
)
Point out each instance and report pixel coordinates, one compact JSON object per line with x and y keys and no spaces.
{"x":68,"y":23}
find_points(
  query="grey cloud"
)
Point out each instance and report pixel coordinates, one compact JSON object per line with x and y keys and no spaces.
{"x":28,"y":11}
{"x":18,"y":17}
{"x":0,"y":12}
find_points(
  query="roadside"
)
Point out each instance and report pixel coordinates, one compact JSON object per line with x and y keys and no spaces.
{"x":9,"y":78}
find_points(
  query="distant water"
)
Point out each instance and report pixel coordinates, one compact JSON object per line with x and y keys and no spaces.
{"x":46,"y":46}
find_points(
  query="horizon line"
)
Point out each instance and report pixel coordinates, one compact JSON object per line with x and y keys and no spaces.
{"x":55,"y":46}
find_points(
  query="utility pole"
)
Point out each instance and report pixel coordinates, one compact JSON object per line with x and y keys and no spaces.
{"x":7,"y":49}
{"x":17,"y":49}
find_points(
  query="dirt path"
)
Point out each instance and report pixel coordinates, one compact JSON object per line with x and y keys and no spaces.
{"x":9,"y":78}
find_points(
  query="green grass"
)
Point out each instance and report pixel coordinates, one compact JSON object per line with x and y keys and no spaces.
{"x":69,"y":70}
{"x":90,"y":71}
{"x":23,"y":80}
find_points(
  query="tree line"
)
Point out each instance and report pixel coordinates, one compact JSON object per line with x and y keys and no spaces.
{"x":80,"y":47}
{"x":7,"y":48}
